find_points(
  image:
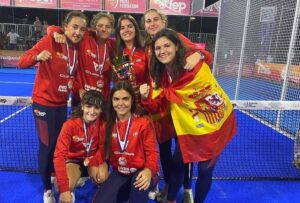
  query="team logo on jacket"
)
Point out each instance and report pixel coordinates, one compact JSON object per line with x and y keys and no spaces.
{"x":135,"y":134}
{"x":97,"y":66}
{"x":100,"y":84}
{"x":62,"y":56}
{"x":114,"y":135}
{"x":132,"y":170}
{"x":76,"y":138}
{"x":90,"y":53}
{"x":122,"y":161}
{"x":39,"y":113}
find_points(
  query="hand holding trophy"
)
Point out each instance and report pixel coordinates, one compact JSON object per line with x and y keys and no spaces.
{"x":122,"y":67}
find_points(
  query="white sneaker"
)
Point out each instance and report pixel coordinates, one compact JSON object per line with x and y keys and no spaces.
{"x":188,"y":196}
{"x":153,"y":193}
{"x":73,"y":197}
{"x":49,"y":197}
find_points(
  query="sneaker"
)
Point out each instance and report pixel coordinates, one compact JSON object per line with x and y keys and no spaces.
{"x":162,"y":196}
{"x":153,"y":193}
{"x":49,"y":197}
{"x":188,"y":196}
{"x":73,"y":197}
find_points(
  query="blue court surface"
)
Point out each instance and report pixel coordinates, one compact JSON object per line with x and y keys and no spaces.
{"x":257,"y":166}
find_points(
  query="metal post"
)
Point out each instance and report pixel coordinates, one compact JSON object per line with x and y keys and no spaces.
{"x":289,"y":59}
{"x":217,"y":40}
{"x":242,"y":51}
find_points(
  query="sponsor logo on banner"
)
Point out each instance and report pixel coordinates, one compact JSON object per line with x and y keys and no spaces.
{"x":114,"y":3}
{"x":3,"y":101}
{"x":171,"y":5}
{"x":22,"y":101}
{"x":129,"y":5}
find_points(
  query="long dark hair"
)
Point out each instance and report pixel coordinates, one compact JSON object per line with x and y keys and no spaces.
{"x":157,"y":68}
{"x":111,"y":113}
{"x":119,"y":42}
{"x":90,"y":98}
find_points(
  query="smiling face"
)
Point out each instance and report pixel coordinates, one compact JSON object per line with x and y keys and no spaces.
{"x":165,"y":50}
{"x":103,"y":28}
{"x":122,"y":101}
{"x":127,"y":31}
{"x":74,"y":30}
{"x":90,"y":113}
{"x":153,"y":23}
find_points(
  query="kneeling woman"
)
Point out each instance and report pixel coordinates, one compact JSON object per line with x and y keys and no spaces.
{"x":131,"y":148}
{"x":77,"y":148}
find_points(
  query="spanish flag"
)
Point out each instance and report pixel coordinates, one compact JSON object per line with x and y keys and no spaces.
{"x":202,"y":114}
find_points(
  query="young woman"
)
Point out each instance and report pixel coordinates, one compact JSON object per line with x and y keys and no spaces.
{"x":130,"y":146}
{"x":95,"y":53}
{"x":78,"y":144}
{"x":153,"y":21}
{"x":57,"y":64}
{"x":201,"y":112}
{"x":128,"y":43}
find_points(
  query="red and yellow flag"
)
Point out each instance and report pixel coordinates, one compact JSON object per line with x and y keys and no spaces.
{"x":202,"y":114}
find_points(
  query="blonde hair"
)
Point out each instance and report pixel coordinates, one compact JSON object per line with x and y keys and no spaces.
{"x":100,"y":15}
{"x":162,"y":16}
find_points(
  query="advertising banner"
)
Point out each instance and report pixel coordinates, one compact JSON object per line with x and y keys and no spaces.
{"x":210,"y":11}
{"x":275,"y":71}
{"x":9,"y":58}
{"x":36,"y":3}
{"x":4,"y":2}
{"x":126,"y":6}
{"x":172,"y":7}
{"x":90,"y":5}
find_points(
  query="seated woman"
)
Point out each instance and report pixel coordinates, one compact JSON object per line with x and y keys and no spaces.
{"x":77,"y":148}
{"x":131,"y":148}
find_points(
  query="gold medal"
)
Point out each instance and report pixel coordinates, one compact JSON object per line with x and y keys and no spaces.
{"x":86,"y":161}
{"x":70,"y":84}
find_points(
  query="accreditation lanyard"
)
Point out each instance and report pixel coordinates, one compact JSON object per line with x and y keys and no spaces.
{"x":70,"y":67}
{"x":104,"y":58}
{"x":87,"y":144}
{"x":123,"y":144}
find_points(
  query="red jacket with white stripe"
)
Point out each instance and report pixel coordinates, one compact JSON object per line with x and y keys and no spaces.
{"x":52,"y":77}
{"x":90,"y":60}
{"x":72,"y":146}
{"x":141,"y":151}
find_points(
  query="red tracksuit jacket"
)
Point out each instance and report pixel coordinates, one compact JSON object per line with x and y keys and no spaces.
{"x":88,"y":76}
{"x":71,"y":146}
{"x":141,"y":150}
{"x":52,"y":77}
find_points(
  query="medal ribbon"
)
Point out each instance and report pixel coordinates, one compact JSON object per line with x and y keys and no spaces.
{"x":87,"y":144}
{"x":123,"y":144}
{"x":104,"y":58}
{"x":70,"y":67}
